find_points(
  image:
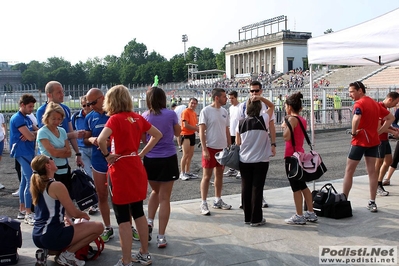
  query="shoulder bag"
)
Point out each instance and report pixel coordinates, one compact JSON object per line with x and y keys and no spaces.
{"x":304,"y":166}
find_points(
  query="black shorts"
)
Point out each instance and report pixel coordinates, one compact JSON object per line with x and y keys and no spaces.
{"x":123,"y":212}
{"x":356,"y":152}
{"x":384,"y":149}
{"x":190,"y":137}
{"x":162,"y":169}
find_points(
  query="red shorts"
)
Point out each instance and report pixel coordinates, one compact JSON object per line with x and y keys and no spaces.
{"x":211,"y":163}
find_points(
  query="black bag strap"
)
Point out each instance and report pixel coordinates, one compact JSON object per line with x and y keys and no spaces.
{"x":329,"y":187}
{"x":303,"y":130}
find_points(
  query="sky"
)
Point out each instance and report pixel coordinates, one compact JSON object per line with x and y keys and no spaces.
{"x":78,"y":30}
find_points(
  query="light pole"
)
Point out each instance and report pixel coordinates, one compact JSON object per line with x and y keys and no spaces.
{"x":184,"y":39}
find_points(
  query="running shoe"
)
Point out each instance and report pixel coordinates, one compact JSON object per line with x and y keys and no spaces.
{"x":259,"y":224}
{"x":21,"y":215}
{"x":204,"y":209}
{"x":107,"y":234}
{"x":381,"y":191}
{"x":296,"y":219}
{"x":144,"y":259}
{"x":29,"y":219}
{"x":220,"y":204}
{"x":135,"y":234}
{"x":41,"y":256}
{"x":230,"y":172}
{"x":150,"y":232}
{"x":372,"y":206}
{"x":310,"y":216}
{"x":120,"y":263}
{"x":69,"y":259}
{"x":264,"y":203}
{"x":161,"y":242}
{"x":15,"y":194}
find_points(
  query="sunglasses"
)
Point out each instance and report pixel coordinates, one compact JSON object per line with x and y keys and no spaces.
{"x":84,"y":105}
{"x":93,"y":102}
{"x":254,"y":91}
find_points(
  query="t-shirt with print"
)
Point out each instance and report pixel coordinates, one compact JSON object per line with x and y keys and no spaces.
{"x":370,"y":111}
{"x":216,"y":121}
{"x":190,"y":116}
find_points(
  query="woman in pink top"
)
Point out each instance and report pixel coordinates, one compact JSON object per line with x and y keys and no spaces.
{"x":293,"y":105}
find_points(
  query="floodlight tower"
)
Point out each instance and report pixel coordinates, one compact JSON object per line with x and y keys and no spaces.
{"x":184,"y":39}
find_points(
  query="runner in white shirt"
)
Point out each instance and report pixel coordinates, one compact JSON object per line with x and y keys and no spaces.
{"x":215,"y":136}
{"x":234,"y":113}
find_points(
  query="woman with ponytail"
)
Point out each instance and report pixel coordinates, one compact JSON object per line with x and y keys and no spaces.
{"x":52,"y":230}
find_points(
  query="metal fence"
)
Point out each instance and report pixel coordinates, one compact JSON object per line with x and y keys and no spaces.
{"x":328,"y":116}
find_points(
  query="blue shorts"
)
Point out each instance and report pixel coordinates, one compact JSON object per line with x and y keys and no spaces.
{"x":99,"y":164}
{"x":57,"y":239}
{"x":1,"y":147}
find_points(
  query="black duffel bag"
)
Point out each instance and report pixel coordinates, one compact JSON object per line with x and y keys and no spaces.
{"x":328,"y":203}
{"x":10,"y":240}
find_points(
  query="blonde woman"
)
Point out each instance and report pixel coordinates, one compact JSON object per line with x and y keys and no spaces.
{"x":127,"y":173}
{"x":52,"y":141}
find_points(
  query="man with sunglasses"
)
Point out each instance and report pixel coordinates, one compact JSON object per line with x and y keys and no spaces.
{"x":94,"y":124}
{"x":55,"y":93}
{"x":256,"y":90}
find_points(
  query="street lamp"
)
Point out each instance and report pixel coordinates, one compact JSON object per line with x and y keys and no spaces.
{"x":184,"y":39}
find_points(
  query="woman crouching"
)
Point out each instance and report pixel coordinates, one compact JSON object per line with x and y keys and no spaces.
{"x":52,"y":230}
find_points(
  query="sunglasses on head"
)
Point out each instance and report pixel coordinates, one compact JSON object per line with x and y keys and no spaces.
{"x":93,"y":102}
{"x":254,"y":91}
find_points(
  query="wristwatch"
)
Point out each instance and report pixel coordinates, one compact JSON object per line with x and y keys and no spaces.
{"x":274,"y":144}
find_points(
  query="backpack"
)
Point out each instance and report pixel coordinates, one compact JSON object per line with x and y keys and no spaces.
{"x":10,"y":240}
{"x":88,"y":252}
{"x":83,"y":191}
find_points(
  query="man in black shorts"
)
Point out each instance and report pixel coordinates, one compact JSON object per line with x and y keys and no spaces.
{"x":188,"y":129}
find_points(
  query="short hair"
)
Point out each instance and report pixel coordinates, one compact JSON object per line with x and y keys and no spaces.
{"x":50,"y":86}
{"x":52,"y":107}
{"x":358,"y":85}
{"x":253,"y":108}
{"x":156,"y":100}
{"x":117,"y":100}
{"x":234,"y":94}
{"x":294,"y":100}
{"x":82,"y":98}
{"x":256,"y":83}
{"x":393,"y":95}
{"x":193,"y":99}
{"x":27,"y":99}
{"x":217,"y":92}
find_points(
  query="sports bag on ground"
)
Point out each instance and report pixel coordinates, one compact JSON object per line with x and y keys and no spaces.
{"x":89,"y":252}
{"x":328,"y":203}
{"x":304,"y":166}
{"x":10,"y":240}
{"x":83,"y":191}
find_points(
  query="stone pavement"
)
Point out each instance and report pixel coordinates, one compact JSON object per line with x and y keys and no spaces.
{"x":224,"y":239}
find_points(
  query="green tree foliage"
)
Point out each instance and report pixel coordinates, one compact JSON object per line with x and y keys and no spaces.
{"x":135,"y":65}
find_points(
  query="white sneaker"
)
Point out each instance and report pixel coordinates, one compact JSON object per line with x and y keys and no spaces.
{"x":204,"y":209}
{"x":15,"y":194}
{"x":1,"y":186}
{"x":184,"y":176}
{"x":230,"y":172}
{"x":29,"y":219}
{"x":69,"y":259}
{"x":192,"y":175}
{"x":238,"y":176}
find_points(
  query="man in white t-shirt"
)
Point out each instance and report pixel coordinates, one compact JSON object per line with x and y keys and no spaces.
{"x":178,"y":110}
{"x":214,"y":136}
{"x":234,"y":113}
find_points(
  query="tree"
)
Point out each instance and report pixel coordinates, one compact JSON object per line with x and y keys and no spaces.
{"x":134,"y":53}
